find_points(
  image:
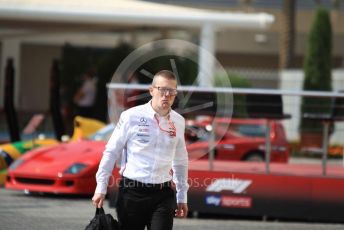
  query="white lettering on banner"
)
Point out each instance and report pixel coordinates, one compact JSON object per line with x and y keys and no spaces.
{"x":234,"y":185}
{"x":213,"y":200}
{"x":236,"y":202}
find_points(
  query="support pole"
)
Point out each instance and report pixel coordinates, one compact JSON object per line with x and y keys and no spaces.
{"x":10,"y":111}
{"x":55,"y":107}
{"x":325,"y":147}
{"x":267,"y":146}
{"x":212,"y":146}
{"x":206,"y":55}
{"x":10,"y":50}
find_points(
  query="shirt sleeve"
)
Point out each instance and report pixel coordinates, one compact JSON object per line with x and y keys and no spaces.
{"x":180,"y":169}
{"x":113,"y":150}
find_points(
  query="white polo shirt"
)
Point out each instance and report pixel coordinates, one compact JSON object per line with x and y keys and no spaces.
{"x":89,"y":89}
{"x":149,"y":152}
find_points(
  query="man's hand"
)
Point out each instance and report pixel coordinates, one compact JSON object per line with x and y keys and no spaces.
{"x":98,"y":199}
{"x":182,"y":210}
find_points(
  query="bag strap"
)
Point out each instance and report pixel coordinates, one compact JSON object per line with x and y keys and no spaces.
{"x":100,"y":211}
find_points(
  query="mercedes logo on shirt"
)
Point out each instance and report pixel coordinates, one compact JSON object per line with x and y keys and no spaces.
{"x":143,"y":120}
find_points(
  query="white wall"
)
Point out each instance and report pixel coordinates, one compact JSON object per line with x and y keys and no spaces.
{"x":293,"y":80}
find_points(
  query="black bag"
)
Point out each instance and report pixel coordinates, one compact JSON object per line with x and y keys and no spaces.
{"x":102,"y":221}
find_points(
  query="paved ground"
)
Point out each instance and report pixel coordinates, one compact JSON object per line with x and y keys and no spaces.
{"x":316,"y":161}
{"x":19,"y":211}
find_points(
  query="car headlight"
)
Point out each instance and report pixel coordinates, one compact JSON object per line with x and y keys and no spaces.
{"x":16,"y":164}
{"x":75,"y":168}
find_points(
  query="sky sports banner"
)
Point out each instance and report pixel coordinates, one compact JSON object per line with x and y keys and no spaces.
{"x":271,"y":195}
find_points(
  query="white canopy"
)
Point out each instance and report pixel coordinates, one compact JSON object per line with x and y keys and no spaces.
{"x":130,"y":12}
{"x":21,"y":16}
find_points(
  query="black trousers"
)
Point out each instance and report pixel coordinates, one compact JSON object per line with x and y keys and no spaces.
{"x":139,"y":206}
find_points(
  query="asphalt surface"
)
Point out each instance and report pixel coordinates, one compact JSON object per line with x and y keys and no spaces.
{"x":25,"y":212}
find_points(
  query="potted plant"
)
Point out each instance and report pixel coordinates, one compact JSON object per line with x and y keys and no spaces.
{"x":317,"y":70}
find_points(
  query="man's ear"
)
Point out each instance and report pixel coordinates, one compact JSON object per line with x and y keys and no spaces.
{"x":151,"y":90}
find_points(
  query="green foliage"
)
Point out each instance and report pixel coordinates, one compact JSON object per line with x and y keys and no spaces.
{"x":317,"y":68}
{"x":235,"y":81}
{"x":77,"y":60}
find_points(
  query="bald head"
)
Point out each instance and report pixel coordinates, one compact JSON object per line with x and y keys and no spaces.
{"x":164,"y":74}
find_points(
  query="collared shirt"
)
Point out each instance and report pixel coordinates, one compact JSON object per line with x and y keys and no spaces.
{"x":148,"y":152}
{"x":88,"y":90}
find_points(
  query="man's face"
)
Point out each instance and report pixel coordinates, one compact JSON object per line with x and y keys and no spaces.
{"x":163,"y":92}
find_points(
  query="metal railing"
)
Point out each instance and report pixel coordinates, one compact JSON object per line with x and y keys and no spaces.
{"x":246,"y":91}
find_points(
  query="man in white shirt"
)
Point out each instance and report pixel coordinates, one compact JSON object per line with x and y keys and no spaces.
{"x":86,"y":95}
{"x":151,"y":138}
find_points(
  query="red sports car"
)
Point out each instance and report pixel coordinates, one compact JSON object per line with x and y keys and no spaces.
{"x":67,"y":168}
{"x":236,"y":139}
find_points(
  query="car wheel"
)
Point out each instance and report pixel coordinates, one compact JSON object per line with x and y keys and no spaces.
{"x":255,"y":157}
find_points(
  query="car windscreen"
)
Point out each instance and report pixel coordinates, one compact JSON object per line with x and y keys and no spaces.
{"x":103,"y":134}
{"x":250,"y":130}
{"x":195,"y":133}
{"x":225,"y":130}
